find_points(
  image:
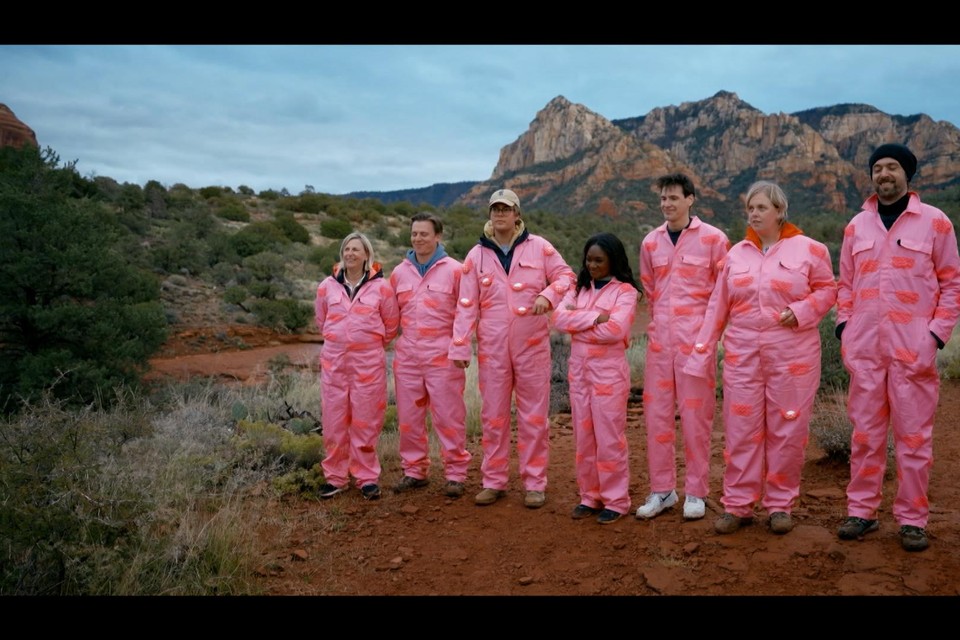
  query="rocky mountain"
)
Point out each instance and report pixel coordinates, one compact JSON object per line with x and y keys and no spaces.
{"x":573,"y":159}
{"x":13,"y":132}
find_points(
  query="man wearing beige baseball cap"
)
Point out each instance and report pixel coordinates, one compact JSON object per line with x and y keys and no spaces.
{"x":511,"y":280}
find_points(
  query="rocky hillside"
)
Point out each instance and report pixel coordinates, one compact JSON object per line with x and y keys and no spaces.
{"x":573,"y":159}
{"x":13,"y":132}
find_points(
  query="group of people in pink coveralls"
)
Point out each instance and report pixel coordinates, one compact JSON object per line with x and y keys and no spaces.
{"x":763,"y":299}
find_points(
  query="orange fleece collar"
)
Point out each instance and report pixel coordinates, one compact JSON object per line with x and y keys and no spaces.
{"x":788,"y":230}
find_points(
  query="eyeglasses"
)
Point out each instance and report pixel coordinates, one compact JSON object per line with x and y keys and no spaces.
{"x":501,"y":209}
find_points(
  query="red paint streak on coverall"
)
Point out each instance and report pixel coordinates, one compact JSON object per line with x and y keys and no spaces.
{"x":423,"y":374}
{"x":513,"y":352}
{"x":896,"y":287}
{"x":678,"y":281}
{"x":770,"y":372}
{"x":353,"y":376}
{"x":599,"y":378}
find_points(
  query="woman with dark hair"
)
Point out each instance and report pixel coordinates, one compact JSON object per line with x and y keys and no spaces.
{"x":599,"y":315}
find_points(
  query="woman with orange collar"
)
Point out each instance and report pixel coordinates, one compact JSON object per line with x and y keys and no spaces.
{"x":775,"y":287}
{"x":358,"y":316}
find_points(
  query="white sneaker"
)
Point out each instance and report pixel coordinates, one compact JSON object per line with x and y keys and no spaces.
{"x":693,"y":508}
{"x":656,"y":502}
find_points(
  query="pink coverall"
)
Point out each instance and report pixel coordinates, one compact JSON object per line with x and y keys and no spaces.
{"x":896,"y":287}
{"x":513,"y":351}
{"x":678,"y":281}
{"x":353,"y":376}
{"x":599,"y":378}
{"x":423,"y":374}
{"x":770,"y":372}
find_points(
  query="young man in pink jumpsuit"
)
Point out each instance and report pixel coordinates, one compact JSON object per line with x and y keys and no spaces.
{"x":774,"y":289}
{"x":511,"y":280}
{"x":358,"y":316}
{"x":899,"y":300}
{"x":427,"y":284}
{"x":598,"y":314}
{"x":679,"y":263}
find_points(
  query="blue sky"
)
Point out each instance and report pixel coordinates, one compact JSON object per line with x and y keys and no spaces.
{"x":345,"y":118}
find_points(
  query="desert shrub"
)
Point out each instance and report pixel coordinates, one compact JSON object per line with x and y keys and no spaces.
{"x":335,"y":228}
{"x":210,"y":192}
{"x":637,"y":359}
{"x":236,"y":295}
{"x":245,"y":190}
{"x":272,"y":442}
{"x":292,"y":229}
{"x":325,"y":257}
{"x":134,"y":500}
{"x":831,"y":429}
{"x":948,"y":358}
{"x":257,"y":237}
{"x":283,"y":315}
{"x":390,"y":419}
{"x":833,"y":375}
{"x":223,"y":273}
{"x":233,"y":210}
{"x":559,"y":384}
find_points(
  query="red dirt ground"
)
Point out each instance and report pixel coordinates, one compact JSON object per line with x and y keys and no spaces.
{"x":423,"y":543}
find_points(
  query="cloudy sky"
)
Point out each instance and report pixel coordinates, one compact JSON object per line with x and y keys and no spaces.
{"x":345,"y":118}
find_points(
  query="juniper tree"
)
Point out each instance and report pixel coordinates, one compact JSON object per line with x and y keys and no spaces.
{"x":75,"y":316}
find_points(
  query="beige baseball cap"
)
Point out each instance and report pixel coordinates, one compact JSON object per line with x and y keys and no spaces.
{"x":506,"y":197}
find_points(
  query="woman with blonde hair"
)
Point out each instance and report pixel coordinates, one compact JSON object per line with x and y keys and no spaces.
{"x":775,"y":287}
{"x":358,"y":316}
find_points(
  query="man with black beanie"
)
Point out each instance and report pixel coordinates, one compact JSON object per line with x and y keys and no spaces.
{"x":898,"y":302}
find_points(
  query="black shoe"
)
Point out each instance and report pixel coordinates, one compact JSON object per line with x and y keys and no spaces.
{"x":854,"y":528}
{"x":453,"y":489}
{"x":327,"y":491}
{"x":407,"y":483}
{"x":608,"y":516}
{"x":913,"y":538}
{"x":582,"y":511}
{"x":370,"y":492}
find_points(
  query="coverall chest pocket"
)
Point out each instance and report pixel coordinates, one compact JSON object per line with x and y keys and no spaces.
{"x":404,"y":293}
{"x":740,"y":280}
{"x":528,"y":279}
{"x":914,"y":257}
{"x":794,"y":273}
{"x":694,"y":269}
{"x":439,"y":298}
{"x":660,"y":264}
{"x":367,"y":302}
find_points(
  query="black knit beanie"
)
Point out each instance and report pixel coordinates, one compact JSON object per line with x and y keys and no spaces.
{"x":899,"y":153}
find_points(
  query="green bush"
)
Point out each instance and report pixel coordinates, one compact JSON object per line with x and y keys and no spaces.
{"x":292,"y":229}
{"x":335,"y":228}
{"x":129,"y":501}
{"x":286,"y":314}
{"x":270,"y":440}
{"x":233,"y":210}
{"x":257,"y":237}
{"x":211,"y":192}
{"x":75,"y":315}
{"x":833,"y":375}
